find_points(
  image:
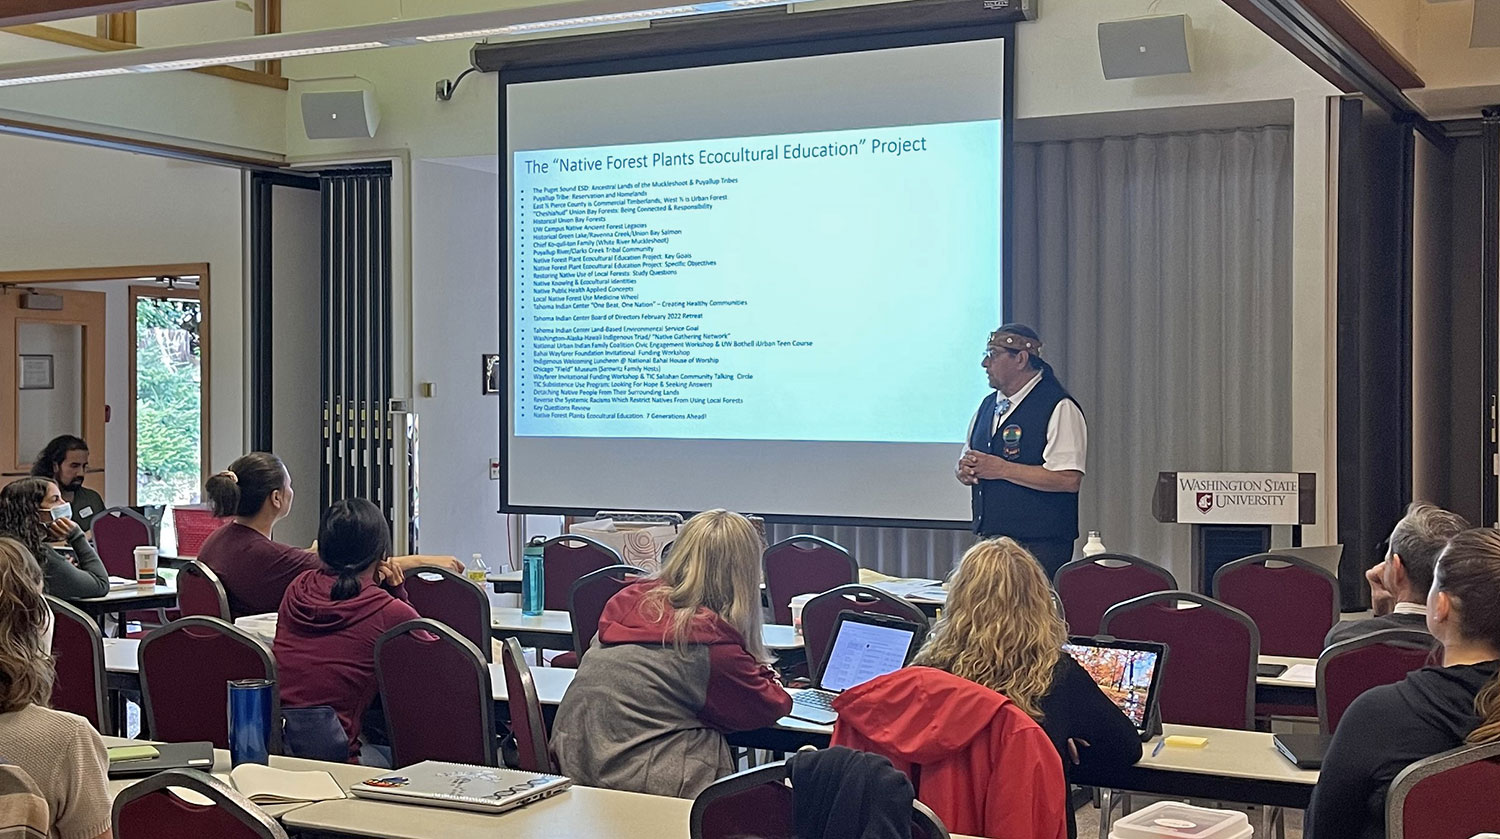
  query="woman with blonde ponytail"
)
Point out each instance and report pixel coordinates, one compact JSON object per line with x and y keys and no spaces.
{"x":1433,"y":710}
{"x":1000,"y":628}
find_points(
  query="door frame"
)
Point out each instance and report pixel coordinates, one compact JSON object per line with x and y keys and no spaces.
{"x":136,"y":272}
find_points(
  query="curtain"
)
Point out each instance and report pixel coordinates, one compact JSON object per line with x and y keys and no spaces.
{"x":1157,"y":270}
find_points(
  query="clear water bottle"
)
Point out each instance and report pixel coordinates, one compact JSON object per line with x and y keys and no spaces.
{"x":1095,"y":545}
{"x":533,"y":593}
{"x":477,"y":572}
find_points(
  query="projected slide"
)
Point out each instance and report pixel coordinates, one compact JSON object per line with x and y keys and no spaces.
{"x":756,"y":287}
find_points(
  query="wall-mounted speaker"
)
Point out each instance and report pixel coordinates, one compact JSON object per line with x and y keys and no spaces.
{"x":339,"y":114}
{"x":1150,"y":46}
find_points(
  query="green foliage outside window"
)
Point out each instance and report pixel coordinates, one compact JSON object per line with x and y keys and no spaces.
{"x":168,"y":406}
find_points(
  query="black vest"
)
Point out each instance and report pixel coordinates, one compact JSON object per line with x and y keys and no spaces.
{"x":1002,"y":508}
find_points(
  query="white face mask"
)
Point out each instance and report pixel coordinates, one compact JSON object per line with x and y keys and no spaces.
{"x":62,"y":511}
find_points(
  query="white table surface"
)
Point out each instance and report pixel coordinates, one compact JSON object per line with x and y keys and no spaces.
{"x":774,"y":635}
{"x":126,"y":595}
{"x":1229,"y":753}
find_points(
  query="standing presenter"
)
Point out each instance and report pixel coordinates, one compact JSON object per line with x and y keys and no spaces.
{"x":1025,"y":454}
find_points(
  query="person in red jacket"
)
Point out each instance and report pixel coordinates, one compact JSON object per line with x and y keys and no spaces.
{"x":1000,"y":629}
{"x":677,"y":663}
{"x":331,"y":617}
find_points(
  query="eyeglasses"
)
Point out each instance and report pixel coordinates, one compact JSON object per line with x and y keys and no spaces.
{"x":994,"y":352}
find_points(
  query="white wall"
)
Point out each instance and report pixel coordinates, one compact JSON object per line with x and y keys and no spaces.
{"x":69,"y":206}
{"x":455,"y":305}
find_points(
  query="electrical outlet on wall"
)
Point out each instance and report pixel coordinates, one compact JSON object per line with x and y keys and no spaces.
{"x":494,"y":469}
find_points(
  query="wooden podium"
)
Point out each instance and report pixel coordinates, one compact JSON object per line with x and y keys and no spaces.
{"x":1232,"y":513}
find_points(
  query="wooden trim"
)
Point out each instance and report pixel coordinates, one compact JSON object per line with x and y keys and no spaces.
{"x":118,"y":27}
{"x":272,"y":163}
{"x":268,"y":22}
{"x":121,"y":272}
{"x":36,"y":11}
{"x":89,"y":42}
{"x":201,"y":295}
{"x":1347,"y":25}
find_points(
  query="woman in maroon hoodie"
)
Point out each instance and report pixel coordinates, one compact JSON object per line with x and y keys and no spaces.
{"x":330,"y":617}
{"x":678,"y":662}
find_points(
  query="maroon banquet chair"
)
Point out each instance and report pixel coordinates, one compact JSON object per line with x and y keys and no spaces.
{"x":422,"y":660}
{"x":79,"y":684}
{"x":452,"y":600}
{"x":1209,"y":675}
{"x":118,"y":531}
{"x":1292,"y":601}
{"x":1349,"y":668}
{"x":758,"y":802}
{"x":148,"y":809}
{"x":586,"y":603}
{"x":1088,"y":587}
{"x":821,"y":612}
{"x":186,"y":667}
{"x":200,"y":593}
{"x":527,"y":722}
{"x":1441,"y":797}
{"x":804,"y":565}
{"x":565,"y":559}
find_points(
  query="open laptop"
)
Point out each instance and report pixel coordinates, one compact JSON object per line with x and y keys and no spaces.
{"x":864,"y":646}
{"x":1129,"y":673}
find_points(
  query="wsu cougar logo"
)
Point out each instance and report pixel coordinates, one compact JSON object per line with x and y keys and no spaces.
{"x":1205,"y":502}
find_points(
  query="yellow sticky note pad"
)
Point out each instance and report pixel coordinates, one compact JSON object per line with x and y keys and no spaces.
{"x":1185,"y":742}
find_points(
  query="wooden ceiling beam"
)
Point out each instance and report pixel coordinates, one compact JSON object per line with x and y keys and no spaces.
{"x":14,"y":12}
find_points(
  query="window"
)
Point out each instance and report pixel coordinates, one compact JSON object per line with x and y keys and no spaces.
{"x":168,"y":411}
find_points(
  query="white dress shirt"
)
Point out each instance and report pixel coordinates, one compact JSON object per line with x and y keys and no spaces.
{"x":1067,"y":434}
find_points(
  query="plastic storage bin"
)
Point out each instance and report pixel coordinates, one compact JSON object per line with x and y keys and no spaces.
{"x":1171,"y":820}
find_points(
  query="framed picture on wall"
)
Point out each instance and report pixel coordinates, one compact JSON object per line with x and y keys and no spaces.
{"x":36,"y":372}
{"x":491,"y":373}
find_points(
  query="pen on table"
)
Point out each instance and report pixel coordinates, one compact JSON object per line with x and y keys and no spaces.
{"x":1159,"y":743}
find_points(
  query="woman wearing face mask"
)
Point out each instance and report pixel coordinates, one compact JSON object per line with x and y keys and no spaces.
{"x":26,"y":515}
{"x":255,"y":569}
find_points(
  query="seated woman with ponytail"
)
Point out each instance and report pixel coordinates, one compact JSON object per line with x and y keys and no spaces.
{"x":256,"y":570}
{"x":1433,"y":710}
{"x":331,"y":617}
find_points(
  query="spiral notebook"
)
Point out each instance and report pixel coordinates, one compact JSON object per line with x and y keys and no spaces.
{"x":462,"y":787}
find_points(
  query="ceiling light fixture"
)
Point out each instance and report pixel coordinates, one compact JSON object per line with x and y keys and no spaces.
{"x":523,"y":21}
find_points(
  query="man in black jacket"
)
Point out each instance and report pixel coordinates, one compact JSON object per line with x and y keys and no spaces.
{"x":1025,"y":452}
{"x":1399,"y":583}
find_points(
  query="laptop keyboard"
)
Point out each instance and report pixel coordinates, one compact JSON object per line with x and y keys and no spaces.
{"x":814,"y":699}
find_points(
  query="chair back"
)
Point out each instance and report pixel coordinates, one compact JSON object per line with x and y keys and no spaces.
{"x":1088,"y":587}
{"x":200,"y":593}
{"x":452,"y":600}
{"x":587,"y":598}
{"x":148,"y":809}
{"x":821,"y":613}
{"x":78,"y":658}
{"x":422,"y":659}
{"x":1209,"y":675}
{"x":565,"y":559}
{"x":526,"y":720}
{"x":1441,"y":797}
{"x":186,"y":667}
{"x":193,"y":524}
{"x":758,"y":802}
{"x":23,"y":805}
{"x":1292,"y":601}
{"x":118,"y":531}
{"x":1349,"y":668}
{"x":804,"y":565}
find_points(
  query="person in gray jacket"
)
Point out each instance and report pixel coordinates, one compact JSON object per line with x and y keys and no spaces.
{"x":26,"y":516}
{"x":677,"y":663}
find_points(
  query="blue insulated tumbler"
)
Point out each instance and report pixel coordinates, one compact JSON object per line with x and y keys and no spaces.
{"x":250,"y":721}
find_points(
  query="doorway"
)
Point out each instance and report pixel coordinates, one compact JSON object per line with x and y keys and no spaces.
{"x":144,"y":399}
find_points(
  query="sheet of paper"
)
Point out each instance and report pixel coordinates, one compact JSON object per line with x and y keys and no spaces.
{"x":1306,"y":673}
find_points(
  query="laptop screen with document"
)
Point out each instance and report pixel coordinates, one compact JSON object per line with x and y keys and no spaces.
{"x":866,"y":646}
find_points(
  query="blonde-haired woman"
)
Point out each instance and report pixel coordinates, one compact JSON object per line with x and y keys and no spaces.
{"x":61,"y":752}
{"x":678,"y":662}
{"x":1000,"y":629}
